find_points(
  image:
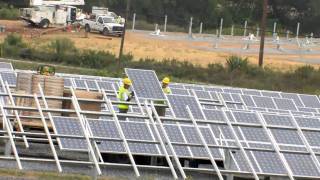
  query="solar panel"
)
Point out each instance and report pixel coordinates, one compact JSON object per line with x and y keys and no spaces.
{"x":264,"y":102}
{"x":301,"y":164}
{"x":287,"y":136}
{"x":80,"y":84}
{"x":294,"y":97}
{"x":10,"y":77}
{"x":139,"y":131}
{"x":69,"y":126}
{"x":271,"y":94}
{"x":312,"y":137}
{"x":215,"y":115}
{"x":106,"y":85}
{"x":92,"y":84}
{"x":232,"y":90}
{"x":310,"y":100}
{"x":213,"y":89}
{"x":269,"y":162}
{"x":203,"y":94}
{"x":308,"y":122}
{"x":246,"y":117}
{"x":179,"y":91}
{"x":285,"y":104}
{"x":277,"y":120}
{"x":248,"y":101}
{"x":194,"y":87}
{"x":251,"y":92}
{"x":179,"y":104}
{"x":67,"y":82}
{"x":145,"y":84}
{"x":6,"y":66}
{"x":106,"y":129}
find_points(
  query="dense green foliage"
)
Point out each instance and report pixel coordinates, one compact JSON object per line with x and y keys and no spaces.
{"x":236,"y":71}
{"x":8,"y":12}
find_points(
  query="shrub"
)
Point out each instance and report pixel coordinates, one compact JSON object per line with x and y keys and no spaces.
{"x":12,"y":45}
{"x":237,"y":63}
{"x":63,"y":49}
{"x":304,"y":72}
{"x":8,"y":12}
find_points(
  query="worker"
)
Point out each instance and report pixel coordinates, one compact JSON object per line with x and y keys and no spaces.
{"x":125,"y":95}
{"x":161,"y":110}
{"x":119,"y":19}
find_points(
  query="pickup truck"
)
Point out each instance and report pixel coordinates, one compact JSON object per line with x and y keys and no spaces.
{"x":106,"y":25}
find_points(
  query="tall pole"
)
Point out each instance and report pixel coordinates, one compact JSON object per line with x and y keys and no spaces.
{"x":263,"y":31}
{"x":165,"y":23}
{"x":133,"y":21}
{"x":124,"y":33}
{"x":221,"y":25}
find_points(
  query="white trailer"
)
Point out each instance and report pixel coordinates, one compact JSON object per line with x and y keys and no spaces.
{"x":44,"y":13}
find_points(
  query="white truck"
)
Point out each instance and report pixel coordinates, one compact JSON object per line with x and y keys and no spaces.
{"x":105,"y":24}
{"x":44,"y":13}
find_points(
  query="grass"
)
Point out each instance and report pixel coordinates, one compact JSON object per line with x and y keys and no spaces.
{"x":9,"y":173}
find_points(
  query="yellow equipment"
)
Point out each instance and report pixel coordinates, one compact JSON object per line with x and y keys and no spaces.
{"x":46,"y":70}
{"x":127,"y":81}
{"x":166,"y":80}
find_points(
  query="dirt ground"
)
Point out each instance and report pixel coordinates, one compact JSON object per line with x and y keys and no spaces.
{"x":141,"y":45}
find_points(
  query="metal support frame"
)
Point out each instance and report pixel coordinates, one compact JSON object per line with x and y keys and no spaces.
{"x":275,"y":145}
{"x":306,"y":143}
{"x":168,"y":141}
{"x":125,"y":143}
{"x":213,"y":162}
{"x":86,"y":135}
{"x":13,"y":145}
{"x":149,"y":112}
{"x":7,"y":89}
{"x":238,"y":141}
{"x":45,"y":126}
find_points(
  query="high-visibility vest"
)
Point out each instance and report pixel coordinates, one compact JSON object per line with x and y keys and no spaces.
{"x":121,"y":96}
{"x":166,"y":90}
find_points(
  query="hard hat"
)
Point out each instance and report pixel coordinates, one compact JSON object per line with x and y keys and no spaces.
{"x":127,"y":81}
{"x":166,"y":80}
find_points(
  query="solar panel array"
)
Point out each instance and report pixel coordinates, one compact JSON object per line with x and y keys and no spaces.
{"x":254,"y":133}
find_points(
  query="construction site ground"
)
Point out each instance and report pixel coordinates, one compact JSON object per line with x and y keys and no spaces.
{"x":198,"y":50}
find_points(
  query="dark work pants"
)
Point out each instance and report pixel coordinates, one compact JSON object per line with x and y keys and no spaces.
{"x":124,"y":111}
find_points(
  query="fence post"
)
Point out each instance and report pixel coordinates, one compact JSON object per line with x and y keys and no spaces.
{"x":201,"y":24}
{"x":298,"y":30}
{"x":245,"y":29}
{"x":232,"y":30}
{"x":190,"y":27}
{"x":287,"y":34}
{"x":221,"y":25}
{"x":133,"y":21}
{"x":165,"y":23}
{"x":258,"y":31}
{"x":274,"y":29}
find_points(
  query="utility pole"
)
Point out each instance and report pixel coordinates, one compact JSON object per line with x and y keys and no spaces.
{"x":124,"y":33}
{"x":263,"y":31}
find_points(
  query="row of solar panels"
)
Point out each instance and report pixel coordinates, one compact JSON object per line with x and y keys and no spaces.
{"x":187,"y":144}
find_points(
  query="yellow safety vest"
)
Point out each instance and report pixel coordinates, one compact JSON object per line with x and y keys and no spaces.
{"x":166,"y":91}
{"x":121,"y":93}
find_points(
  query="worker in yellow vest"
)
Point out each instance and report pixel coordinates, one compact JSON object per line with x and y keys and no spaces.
{"x":165,"y":87}
{"x":125,"y":95}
